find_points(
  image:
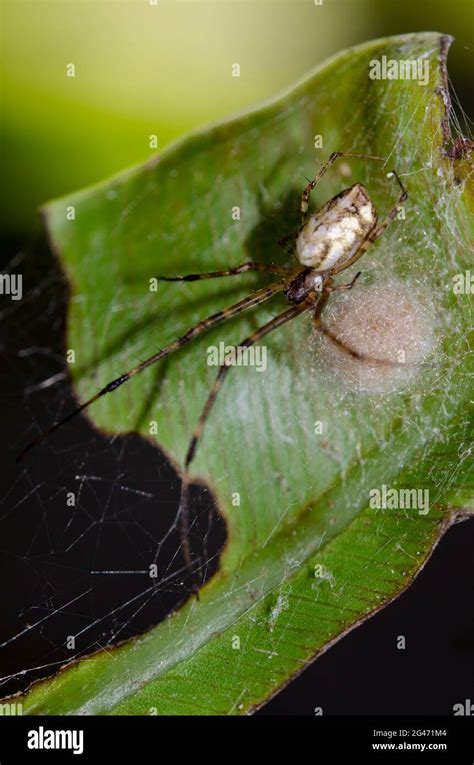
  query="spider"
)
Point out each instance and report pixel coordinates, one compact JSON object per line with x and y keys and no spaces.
{"x":326,"y":243}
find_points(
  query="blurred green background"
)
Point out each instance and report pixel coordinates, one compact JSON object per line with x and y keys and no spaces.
{"x":163,"y":67}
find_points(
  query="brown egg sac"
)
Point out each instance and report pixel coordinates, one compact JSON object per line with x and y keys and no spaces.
{"x":390,"y":325}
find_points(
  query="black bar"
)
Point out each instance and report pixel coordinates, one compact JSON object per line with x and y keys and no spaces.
{"x":155,"y":739}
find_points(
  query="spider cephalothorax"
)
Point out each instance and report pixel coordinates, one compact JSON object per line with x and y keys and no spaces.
{"x":328,"y":241}
{"x":304,"y":283}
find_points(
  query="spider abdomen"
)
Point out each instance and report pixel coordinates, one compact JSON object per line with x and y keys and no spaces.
{"x":336,"y":231}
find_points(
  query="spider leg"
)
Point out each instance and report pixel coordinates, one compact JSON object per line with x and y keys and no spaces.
{"x":252,"y":300}
{"x":348,"y":286}
{"x":183,"y":510}
{"x":249,"y":266}
{"x":327,"y":332}
{"x":347,"y":349}
{"x":312,"y":184}
{"x":340,"y":343}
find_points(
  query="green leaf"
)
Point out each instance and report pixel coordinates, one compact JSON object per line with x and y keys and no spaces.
{"x":307,"y":558}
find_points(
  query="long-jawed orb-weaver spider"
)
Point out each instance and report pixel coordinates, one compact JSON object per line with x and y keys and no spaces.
{"x":326,"y":243}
